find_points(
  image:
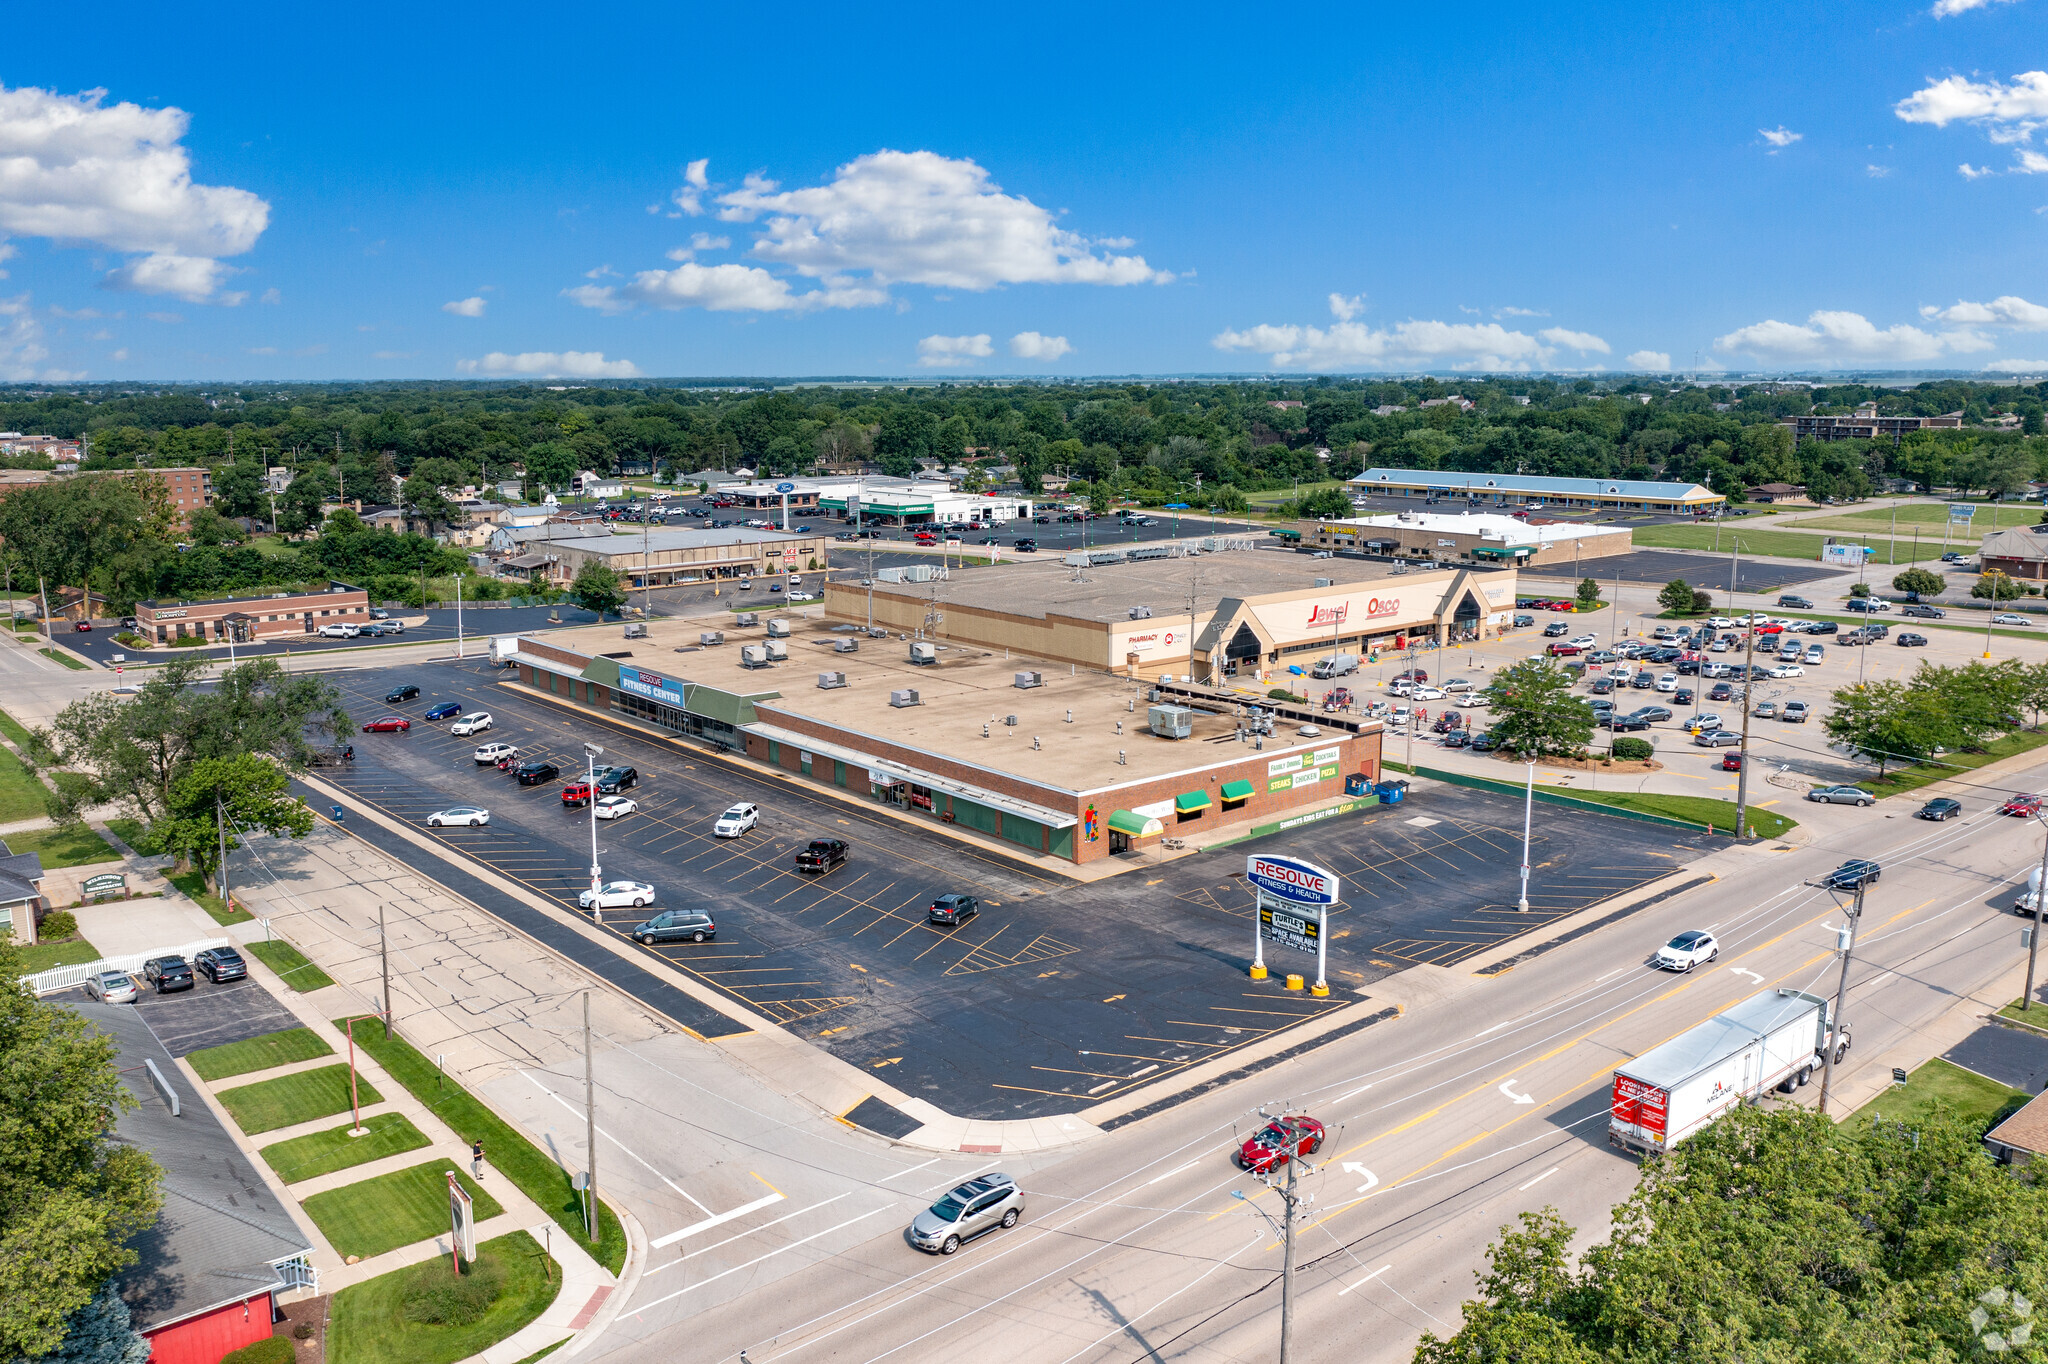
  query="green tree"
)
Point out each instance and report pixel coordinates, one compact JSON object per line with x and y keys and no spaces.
{"x":1589,"y":592}
{"x":1919,"y":582}
{"x":597,"y":588}
{"x":1888,"y":722}
{"x":205,"y":526}
{"x":238,"y":490}
{"x":550,"y":464}
{"x":1702,"y":601}
{"x":1994,"y":585}
{"x":70,"y":1194}
{"x":303,"y":502}
{"x":1324,"y":502}
{"x":238,"y":792}
{"x":1677,"y":597}
{"x":101,"y":1332}
{"x":430,"y":489}
{"x":1535,"y":713}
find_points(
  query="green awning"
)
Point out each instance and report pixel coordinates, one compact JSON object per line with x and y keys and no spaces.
{"x":1238,"y":790}
{"x":1136,"y":826}
{"x":1187,"y":802}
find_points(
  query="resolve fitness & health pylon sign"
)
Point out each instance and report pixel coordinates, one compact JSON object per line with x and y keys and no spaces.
{"x":1294,"y":899}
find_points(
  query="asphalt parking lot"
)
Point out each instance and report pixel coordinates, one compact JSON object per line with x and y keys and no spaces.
{"x":478,"y":625}
{"x":1701,"y":570}
{"x":207,"y":1015}
{"x":1059,"y":994}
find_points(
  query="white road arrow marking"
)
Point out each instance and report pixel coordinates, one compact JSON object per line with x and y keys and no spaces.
{"x":1352,"y":1167}
{"x":1518,"y":1098}
{"x":1745,"y":971}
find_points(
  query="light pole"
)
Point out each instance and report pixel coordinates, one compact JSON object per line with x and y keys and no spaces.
{"x":1528,"y":810}
{"x":1742,"y":771}
{"x":2033,"y":939}
{"x":591,"y":753}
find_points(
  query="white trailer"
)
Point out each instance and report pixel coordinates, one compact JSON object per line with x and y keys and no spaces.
{"x":503,"y":648}
{"x":1776,"y":1038}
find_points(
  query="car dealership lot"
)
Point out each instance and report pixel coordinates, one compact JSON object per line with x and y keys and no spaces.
{"x":1057,"y":995}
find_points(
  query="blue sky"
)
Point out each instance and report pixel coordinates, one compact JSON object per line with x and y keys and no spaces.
{"x":435,"y":191}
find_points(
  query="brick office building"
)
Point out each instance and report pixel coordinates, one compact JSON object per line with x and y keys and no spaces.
{"x":243,"y":619}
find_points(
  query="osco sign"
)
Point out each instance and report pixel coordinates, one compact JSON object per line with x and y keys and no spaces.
{"x":1304,"y":883}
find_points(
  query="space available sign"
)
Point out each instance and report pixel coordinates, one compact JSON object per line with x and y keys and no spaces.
{"x":652,"y":686}
{"x":1287,"y":878}
{"x":1299,"y":932}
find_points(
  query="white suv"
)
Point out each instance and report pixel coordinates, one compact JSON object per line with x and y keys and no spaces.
{"x":340,"y":631}
{"x":476,"y":722}
{"x":737,"y":821}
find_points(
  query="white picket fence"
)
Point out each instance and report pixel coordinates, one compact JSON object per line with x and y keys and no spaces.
{"x":65,"y":977}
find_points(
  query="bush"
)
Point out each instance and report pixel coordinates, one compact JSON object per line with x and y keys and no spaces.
{"x":488,"y":589}
{"x":57,"y":926}
{"x":1282,"y":694}
{"x":188,"y":641}
{"x":1633,"y":750}
{"x":272,"y":1350}
{"x":436,"y":1297}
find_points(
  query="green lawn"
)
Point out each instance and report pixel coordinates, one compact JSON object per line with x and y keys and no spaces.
{"x":1900,"y":779}
{"x":129,"y":831}
{"x":290,"y":963}
{"x":372,"y":1216}
{"x":72,"y":845}
{"x":1702,"y":810}
{"x":2035,"y":1018}
{"x":13,"y":729}
{"x":68,"y":660}
{"x":322,"y":1153}
{"x":1781,"y":544}
{"x":270,"y":1104}
{"x":21,"y":795}
{"x":194,"y":885}
{"x":1972,"y":1096}
{"x":369,"y":1324}
{"x":509,"y":1151}
{"x":259,"y":1053}
{"x":48,"y":956}
{"x":1990,"y":516}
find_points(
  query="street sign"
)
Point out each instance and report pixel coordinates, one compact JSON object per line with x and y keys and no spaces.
{"x":1276,"y":925}
{"x":1303,"y":883}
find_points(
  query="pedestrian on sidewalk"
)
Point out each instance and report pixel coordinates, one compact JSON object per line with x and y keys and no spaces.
{"x":476,"y":1158}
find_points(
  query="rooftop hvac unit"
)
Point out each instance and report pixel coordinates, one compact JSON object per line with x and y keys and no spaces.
{"x":903,"y":698}
{"x":924,"y":654}
{"x":1171,"y":722}
{"x":1026,"y":681}
{"x":1326,"y":582}
{"x":710,"y":637}
{"x":778,"y":651}
{"x":747,"y":619}
{"x":827,"y":681}
{"x":1141,"y":613}
{"x":1010,"y":720}
{"x":778,"y":629}
{"x":877,"y":632}
{"x":754,"y":656}
{"x":845,"y":646}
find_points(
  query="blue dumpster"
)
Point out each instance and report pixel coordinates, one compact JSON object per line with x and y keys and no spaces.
{"x":1391,"y":792}
{"x":1357,"y":785}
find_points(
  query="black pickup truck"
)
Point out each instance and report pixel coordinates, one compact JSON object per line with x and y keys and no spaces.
{"x":823,"y":855}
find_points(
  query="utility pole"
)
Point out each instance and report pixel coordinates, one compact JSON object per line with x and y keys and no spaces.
{"x":384,"y":965}
{"x":1287,"y":1199}
{"x":2034,"y":938}
{"x":458,"y":618}
{"x":589,"y":1132}
{"x":1834,"y":1034}
{"x":220,"y":819}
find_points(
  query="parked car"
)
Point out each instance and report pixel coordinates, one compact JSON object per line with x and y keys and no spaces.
{"x":674,"y":925}
{"x":618,"y":894}
{"x":822,"y":855}
{"x":535,"y":772}
{"x":468,"y":816}
{"x":491,"y":753}
{"x":388,"y":724}
{"x":111,"y":987}
{"x":83,"y":627}
{"x":168,"y":974}
{"x":1682,"y":697}
{"x":1717,"y":738}
{"x":1556,"y":629}
{"x":401,"y":693}
{"x":1941,"y":807}
{"x":1814,"y":654}
{"x":340,"y":631}
{"x":2024,"y":803}
{"x":1687,"y":950}
{"x":952,"y":909}
{"x":736,"y":821}
{"x":1857,"y":871}
{"x":1921,"y":611}
{"x":444,"y":710}
{"x":1731,"y":762}
{"x":1653,"y":714}
{"x":1721,"y":691}
{"x":221,"y":964}
{"x":1279,"y":1141}
{"x":1841,"y":795}
{"x":974,"y":1209}
{"x":1908,"y":640}
{"x":612,"y":780}
{"x":1623,"y":724}
{"x":578,"y":794}
{"x":1795,"y":712}
{"x":476,"y":722}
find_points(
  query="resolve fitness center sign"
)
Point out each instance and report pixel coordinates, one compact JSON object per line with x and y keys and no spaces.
{"x":1294,"y":900}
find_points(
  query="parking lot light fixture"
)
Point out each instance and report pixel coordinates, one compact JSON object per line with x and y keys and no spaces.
{"x":1528,"y":810}
{"x":2034,"y":942}
{"x":591,"y":753}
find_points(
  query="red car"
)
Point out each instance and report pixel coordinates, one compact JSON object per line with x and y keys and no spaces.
{"x":83,"y":627}
{"x":1732,"y":763}
{"x":1412,"y":675}
{"x":2021,"y":804}
{"x":577,"y":793}
{"x":1280,"y":1141}
{"x":388,"y":725}
{"x":1563,"y":650}
{"x":1770,"y":628}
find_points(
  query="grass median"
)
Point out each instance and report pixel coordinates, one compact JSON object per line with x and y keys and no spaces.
{"x":420,"y":1315}
{"x":1975,"y":1098}
{"x":66,"y":659}
{"x":290,"y":964}
{"x":1779,"y":544}
{"x":322,"y":1153}
{"x":258,"y":1053}
{"x":1899,"y":780}
{"x":1702,"y":810}
{"x":292,"y":1099}
{"x":507,"y":1149}
{"x":194,"y":886}
{"x":372,"y":1216}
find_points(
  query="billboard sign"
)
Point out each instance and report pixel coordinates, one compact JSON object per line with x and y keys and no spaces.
{"x":1844,"y":556}
{"x":1959,"y":513}
{"x":1302,"y":883}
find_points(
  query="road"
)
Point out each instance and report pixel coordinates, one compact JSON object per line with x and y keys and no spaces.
{"x":1488,"y":1098}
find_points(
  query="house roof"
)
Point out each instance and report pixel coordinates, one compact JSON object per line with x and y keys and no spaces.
{"x":2018,"y":543}
{"x":2027,"y":1130}
{"x":222,"y":1232}
{"x":19,"y":874}
{"x":1645,"y":489}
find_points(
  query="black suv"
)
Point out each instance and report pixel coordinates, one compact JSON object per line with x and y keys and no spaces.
{"x":952,"y":909}
{"x":612,"y":780}
{"x":534,"y":773}
{"x":397,"y":694}
{"x":673,"y":925}
{"x":823,"y":855}
{"x":221,"y":963}
{"x":168,"y":974}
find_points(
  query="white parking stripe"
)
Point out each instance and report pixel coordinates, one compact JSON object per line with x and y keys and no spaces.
{"x":720,"y":1220}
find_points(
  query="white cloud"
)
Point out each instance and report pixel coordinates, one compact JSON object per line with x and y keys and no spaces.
{"x":1578,"y":341}
{"x":73,"y":169}
{"x":262,"y":350}
{"x":2007,"y":113}
{"x":723,"y":288}
{"x":1779,"y":137}
{"x":572,"y":364}
{"x":1655,"y":361}
{"x":1344,"y":309}
{"x":1835,"y":335}
{"x":2031,"y":162}
{"x":1944,"y":9}
{"x":704,"y":241}
{"x":951,"y":352}
{"x":2005,"y":311}
{"x":191,"y":278}
{"x":1877,"y":172}
{"x":1517,"y":312}
{"x":2017,"y":367}
{"x":119,"y":355}
{"x":271,"y":295}
{"x":473,"y":306}
{"x":21,"y":344}
{"x":1037,"y":346}
{"x":1970,"y":172}
{"x":1466,"y":345}
{"x":690,"y":198}
{"x":170,"y":319}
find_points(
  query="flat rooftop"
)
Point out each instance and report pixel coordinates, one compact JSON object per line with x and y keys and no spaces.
{"x":628,"y":541}
{"x":1036,"y":589}
{"x":967,"y":689}
{"x":1486,"y":525}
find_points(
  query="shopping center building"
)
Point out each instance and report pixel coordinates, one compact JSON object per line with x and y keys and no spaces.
{"x":1443,"y":486}
{"x":1486,"y":538}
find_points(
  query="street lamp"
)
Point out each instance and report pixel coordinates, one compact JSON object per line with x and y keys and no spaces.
{"x":591,"y":753}
{"x":1528,"y":810}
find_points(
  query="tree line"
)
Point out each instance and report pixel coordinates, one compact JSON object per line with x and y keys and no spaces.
{"x":1938,"y":709}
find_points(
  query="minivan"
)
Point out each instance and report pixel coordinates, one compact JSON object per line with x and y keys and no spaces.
{"x":674,"y":925}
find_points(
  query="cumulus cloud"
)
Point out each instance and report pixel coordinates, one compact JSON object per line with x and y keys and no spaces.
{"x":2008,"y":310}
{"x":271,"y":295}
{"x":1517,"y":312}
{"x":1779,"y":137}
{"x":2017,"y":367}
{"x":1835,"y":335}
{"x":2007,"y":113}
{"x":21,"y":343}
{"x":548,"y":364}
{"x":74,"y":169}
{"x":1038,"y":346}
{"x":704,"y":241}
{"x":1464,"y":345}
{"x":723,"y":288}
{"x":1944,"y":9}
{"x":2030,"y":162}
{"x":1970,"y":172}
{"x":119,"y":355}
{"x":473,"y":306}
{"x":1877,"y":172}
{"x":195,"y":279}
{"x":1344,"y":309}
{"x":1655,"y":361}
{"x":689,"y":198}
{"x":1571,"y":340}
{"x":951,"y":352}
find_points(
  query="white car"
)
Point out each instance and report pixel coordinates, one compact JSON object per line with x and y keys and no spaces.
{"x":469,"y":816}
{"x":1584,"y":641}
{"x":1668,"y":682}
{"x":490,"y":753}
{"x":1788,"y":670}
{"x":1427,"y":694}
{"x":618,"y":895}
{"x":340,"y":631}
{"x":800,"y":596}
{"x":1402,"y":687}
{"x":737,"y":821}
{"x":611,"y":807}
{"x":1687,"y":950}
{"x":476,"y":722}
{"x":2008,"y":618}
{"x":1475,"y":699}
{"x":1720,"y":622}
